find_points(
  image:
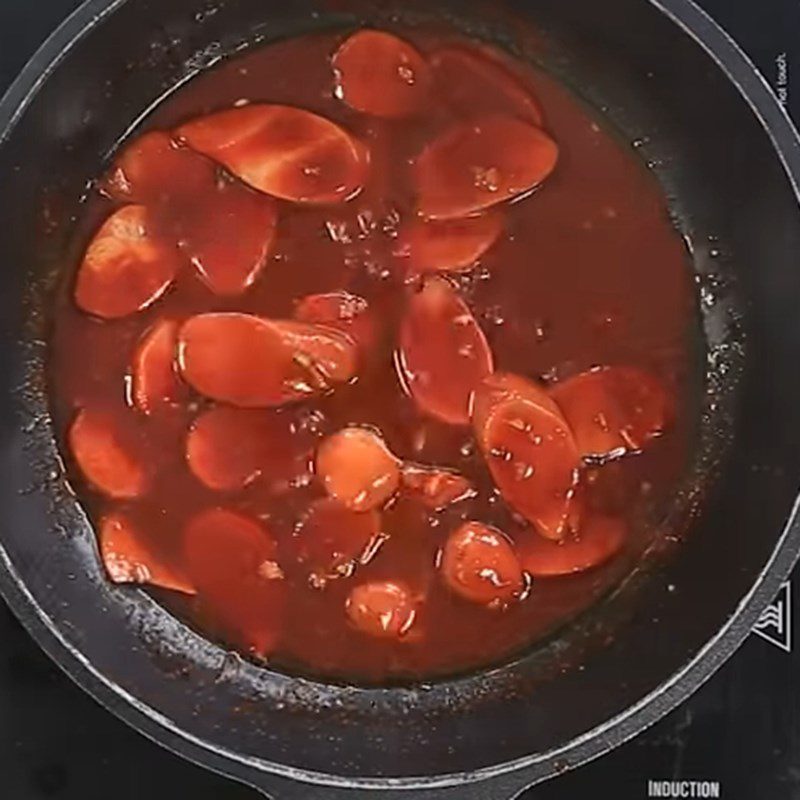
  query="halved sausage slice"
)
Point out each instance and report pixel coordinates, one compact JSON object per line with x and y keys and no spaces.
{"x":434,"y":487}
{"x":471,"y":81}
{"x":108,"y":454}
{"x":443,"y":353}
{"x":599,"y":539}
{"x":384,"y":609}
{"x":530,"y":452}
{"x":227,"y":232}
{"x":502,"y":386}
{"x":232,"y":561}
{"x":613,"y":410}
{"x":332,"y":539}
{"x":329,"y":356}
{"x":449,"y":245}
{"x":154,"y":377}
{"x":477,"y":164}
{"x":196,"y":208}
{"x":283,"y":151}
{"x":228,"y":448}
{"x":479,"y":564}
{"x":129,"y":558}
{"x":380,"y":74}
{"x":255,"y":362}
{"x":126,"y":267}
{"x":357,"y":469}
{"x":346,"y":312}
{"x":154,"y":170}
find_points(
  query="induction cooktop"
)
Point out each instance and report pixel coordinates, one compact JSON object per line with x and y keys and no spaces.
{"x":737,"y":738}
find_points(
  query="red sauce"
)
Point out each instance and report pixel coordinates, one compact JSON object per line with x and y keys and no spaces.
{"x":434,"y":569}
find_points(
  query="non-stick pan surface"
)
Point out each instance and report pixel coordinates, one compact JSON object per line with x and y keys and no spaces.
{"x":729,"y":161}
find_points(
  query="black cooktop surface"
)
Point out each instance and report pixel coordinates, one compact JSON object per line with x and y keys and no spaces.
{"x":737,"y":738}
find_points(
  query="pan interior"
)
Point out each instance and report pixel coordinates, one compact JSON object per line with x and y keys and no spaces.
{"x":739,"y":215}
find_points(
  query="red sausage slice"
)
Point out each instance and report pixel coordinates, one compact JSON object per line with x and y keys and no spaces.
{"x":357,"y":469}
{"x":229,"y":264}
{"x":128,"y":557}
{"x":154,"y":377}
{"x":599,"y":539}
{"x":286,"y":152}
{"x":480,"y":565}
{"x":435,"y":488}
{"x":450,"y":245}
{"x":197,"y":208}
{"x":254,"y":362}
{"x":332,"y":539}
{"x":502,"y":386}
{"x":154,"y":170}
{"x":613,"y":410}
{"x":478,"y":164}
{"x":125,"y":268}
{"x":328,"y":355}
{"x":384,"y":609}
{"x":470,"y":80}
{"x":228,"y":448}
{"x":530,"y":452}
{"x":231,"y":560}
{"x":443,"y":352}
{"x":347,"y":312}
{"x":379,"y":74}
{"x":107,"y":454}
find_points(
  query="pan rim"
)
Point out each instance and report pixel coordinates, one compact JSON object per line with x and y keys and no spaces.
{"x":753,"y":87}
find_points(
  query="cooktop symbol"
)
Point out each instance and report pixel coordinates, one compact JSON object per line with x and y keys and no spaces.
{"x":775,"y":624}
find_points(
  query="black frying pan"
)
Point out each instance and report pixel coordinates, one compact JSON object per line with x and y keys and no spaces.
{"x":729,"y":160}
